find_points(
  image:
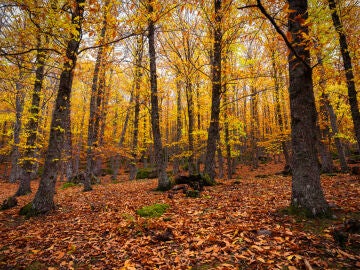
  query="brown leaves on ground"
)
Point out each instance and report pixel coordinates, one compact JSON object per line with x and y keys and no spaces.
{"x":234,"y":225}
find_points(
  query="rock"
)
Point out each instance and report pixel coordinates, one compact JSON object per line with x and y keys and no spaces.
{"x":264,"y":232}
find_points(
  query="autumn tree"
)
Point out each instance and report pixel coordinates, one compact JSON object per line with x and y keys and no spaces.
{"x":43,"y":201}
{"x":348,"y":66}
{"x":163,"y":180}
{"x":213,"y":132}
{"x":306,"y":187}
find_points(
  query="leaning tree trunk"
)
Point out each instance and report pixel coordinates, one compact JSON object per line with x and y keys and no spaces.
{"x":44,"y":198}
{"x":32,"y":127}
{"x":163,"y":180}
{"x":306,"y":187}
{"x":350,"y":80}
{"x":213,"y":132}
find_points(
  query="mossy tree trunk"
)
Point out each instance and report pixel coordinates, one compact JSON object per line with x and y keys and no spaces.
{"x":44,"y":197}
{"x":29,"y":157}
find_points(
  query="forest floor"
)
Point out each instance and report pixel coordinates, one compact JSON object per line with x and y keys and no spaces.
{"x":237,"y":224}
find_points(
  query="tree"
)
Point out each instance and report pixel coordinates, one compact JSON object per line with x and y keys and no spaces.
{"x":213,"y":132}
{"x":95,"y":103}
{"x":306,"y":187}
{"x":43,"y":201}
{"x":138,"y":76}
{"x":32,"y":125}
{"x":349,"y":74}
{"x":163,"y":180}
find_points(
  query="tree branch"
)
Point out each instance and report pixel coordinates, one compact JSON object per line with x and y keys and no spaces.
{"x":280,"y":32}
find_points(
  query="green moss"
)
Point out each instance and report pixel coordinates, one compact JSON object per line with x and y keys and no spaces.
{"x":208,"y":181}
{"x":154,"y":210}
{"x":68,"y":185}
{"x":144,"y":173}
{"x":303,"y":212}
{"x":193,"y":193}
{"x":28,"y":211}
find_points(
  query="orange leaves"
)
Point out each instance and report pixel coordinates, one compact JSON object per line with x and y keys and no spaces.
{"x":227,"y":227}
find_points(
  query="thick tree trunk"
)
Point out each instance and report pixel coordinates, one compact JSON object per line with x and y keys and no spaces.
{"x":306,"y":187}
{"x":350,"y":80}
{"x":32,"y":127}
{"x":138,"y":76}
{"x":44,"y":198}
{"x":163,"y":181}
{"x":213,"y":132}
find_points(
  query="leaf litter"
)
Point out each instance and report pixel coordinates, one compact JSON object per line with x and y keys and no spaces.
{"x":234,"y":225}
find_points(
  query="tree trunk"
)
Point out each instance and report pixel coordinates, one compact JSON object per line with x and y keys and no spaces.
{"x":327,"y":165}
{"x":339,"y":147}
{"x":350,"y":80}
{"x":213,"y":132}
{"x":116,"y":161}
{"x":44,"y":198}
{"x":307,"y":192}
{"x":163,"y":181}
{"x":254,"y":125}
{"x":176,"y":163}
{"x":19,"y":107}
{"x":29,"y":157}
{"x":191,"y":116}
{"x":95,"y":103}
{"x":138,"y":76}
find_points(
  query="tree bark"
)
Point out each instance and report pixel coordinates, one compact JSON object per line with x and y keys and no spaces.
{"x":350,"y":80}
{"x":29,"y":157}
{"x":176,"y":163}
{"x":138,"y":76}
{"x":95,"y":103}
{"x":307,"y":192}
{"x":44,"y":198}
{"x":334,"y":126}
{"x":19,"y":107}
{"x":163,"y":180}
{"x":213,"y":132}
{"x":191,"y":126}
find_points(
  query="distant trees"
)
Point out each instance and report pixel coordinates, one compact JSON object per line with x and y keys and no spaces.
{"x":199,"y":86}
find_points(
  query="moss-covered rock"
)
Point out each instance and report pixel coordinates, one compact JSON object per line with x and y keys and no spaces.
{"x":152,"y":211}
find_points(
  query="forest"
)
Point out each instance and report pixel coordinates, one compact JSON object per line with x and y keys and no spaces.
{"x":157,"y":134}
